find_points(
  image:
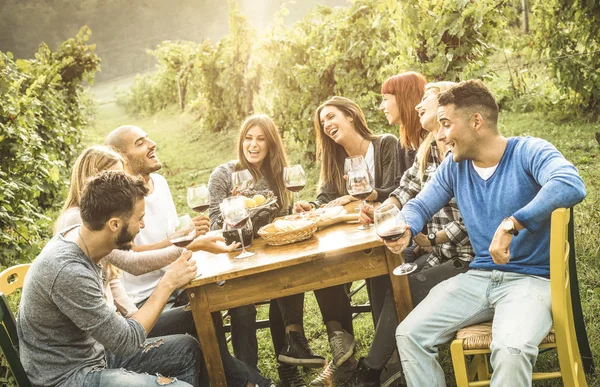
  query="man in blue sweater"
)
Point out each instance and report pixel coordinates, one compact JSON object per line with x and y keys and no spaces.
{"x":506,"y":190}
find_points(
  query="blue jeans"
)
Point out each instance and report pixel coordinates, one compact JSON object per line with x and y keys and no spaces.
{"x":176,"y":359}
{"x":519,"y":304}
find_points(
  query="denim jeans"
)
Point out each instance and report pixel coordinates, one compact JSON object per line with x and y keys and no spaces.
{"x":177,"y":358}
{"x":176,"y":320}
{"x":420,"y":283}
{"x":519,"y":304}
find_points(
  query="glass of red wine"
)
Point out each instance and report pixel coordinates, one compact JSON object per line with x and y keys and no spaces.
{"x":184,"y":233}
{"x":198,"y":198}
{"x":390,"y":225}
{"x":360,"y":185}
{"x":294,"y":179}
{"x":235,"y":215}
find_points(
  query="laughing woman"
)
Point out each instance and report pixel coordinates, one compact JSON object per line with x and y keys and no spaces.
{"x":342,"y":131}
{"x":261,"y":151}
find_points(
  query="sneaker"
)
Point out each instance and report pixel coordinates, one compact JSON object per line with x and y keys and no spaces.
{"x":334,"y":376}
{"x":297,"y":352}
{"x":364,"y":376}
{"x":289,"y":376}
{"x":342,"y":346}
{"x":326,"y":377}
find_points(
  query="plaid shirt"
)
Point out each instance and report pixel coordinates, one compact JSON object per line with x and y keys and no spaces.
{"x":447,"y":219}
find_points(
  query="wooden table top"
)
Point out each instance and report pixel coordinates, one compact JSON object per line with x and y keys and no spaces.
{"x":334,"y":240}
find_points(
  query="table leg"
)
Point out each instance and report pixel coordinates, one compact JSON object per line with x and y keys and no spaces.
{"x":400,"y":286}
{"x":207,"y":336}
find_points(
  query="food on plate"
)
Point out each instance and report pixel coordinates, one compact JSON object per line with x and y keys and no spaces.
{"x":250,"y":203}
{"x":259,"y":199}
{"x":319,"y":214}
{"x":282,"y":225}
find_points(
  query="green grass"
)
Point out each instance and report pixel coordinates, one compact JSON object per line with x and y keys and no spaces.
{"x":189,"y":154}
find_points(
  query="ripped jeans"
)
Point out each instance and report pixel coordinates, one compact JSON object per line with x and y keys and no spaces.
{"x":170,"y":360}
{"x":519,"y":304}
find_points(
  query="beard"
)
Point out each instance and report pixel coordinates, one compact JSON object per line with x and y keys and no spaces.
{"x":140,"y":167}
{"x":124,"y":240}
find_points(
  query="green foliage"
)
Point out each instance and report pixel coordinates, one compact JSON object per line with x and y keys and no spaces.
{"x":449,"y":40}
{"x":567,"y":33}
{"x":41,"y":117}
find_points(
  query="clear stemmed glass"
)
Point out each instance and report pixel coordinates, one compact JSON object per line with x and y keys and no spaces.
{"x":236,"y":216}
{"x":360,"y":185}
{"x":354,"y":162}
{"x":241,"y":180}
{"x":185,"y":231}
{"x":294,"y":179}
{"x":198,"y":198}
{"x":390,"y":225}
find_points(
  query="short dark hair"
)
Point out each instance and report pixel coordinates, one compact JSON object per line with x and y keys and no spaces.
{"x":110,"y":194}
{"x":473,"y":96}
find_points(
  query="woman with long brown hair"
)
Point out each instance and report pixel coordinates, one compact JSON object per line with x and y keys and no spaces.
{"x":261,"y":151}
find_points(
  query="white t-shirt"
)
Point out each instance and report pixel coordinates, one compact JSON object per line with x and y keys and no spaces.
{"x":370,"y":160}
{"x":485,"y":173}
{"x":160,"y":219}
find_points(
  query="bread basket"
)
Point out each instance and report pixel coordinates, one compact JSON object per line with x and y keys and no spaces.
{"x":274,"y":236}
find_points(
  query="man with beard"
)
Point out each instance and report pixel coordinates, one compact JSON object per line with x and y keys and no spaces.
{"x":139,"y":152}
{"x":69,"y":334}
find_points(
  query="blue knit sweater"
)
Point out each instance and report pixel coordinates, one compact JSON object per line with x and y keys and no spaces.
{"x":531,"y":180}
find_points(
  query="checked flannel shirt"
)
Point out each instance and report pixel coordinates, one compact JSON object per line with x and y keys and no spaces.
{"x":448,"y":218}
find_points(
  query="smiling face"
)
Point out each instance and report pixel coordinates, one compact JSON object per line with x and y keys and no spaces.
{"x":427,"y":110}
{"x":140,"y":152}
{"x":336,"y":125}
{"x":456,"y":133}
{"x":389,"y":107}
{"x":255,"y":146}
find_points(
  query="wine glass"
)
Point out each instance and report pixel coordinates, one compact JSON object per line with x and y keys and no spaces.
{"x":360,"y":185}
{"x":236,"y":216}
{"x":185,"y":231}
{"x":294,"y":179}
{"x":390,"y":225}
{"x":354,"y":162}
{"x":241,"y":180}
{"x":198,"y":198}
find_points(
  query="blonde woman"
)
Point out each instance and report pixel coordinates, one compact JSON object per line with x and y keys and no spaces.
{"x":446,"y":247}
{"x":261,"y":151}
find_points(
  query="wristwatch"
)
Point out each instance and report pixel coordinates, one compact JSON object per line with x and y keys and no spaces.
{"x":431,"y":237}
{"x":509,"y":226}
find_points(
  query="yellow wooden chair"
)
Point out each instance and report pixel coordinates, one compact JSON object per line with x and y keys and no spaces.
{"x":475,"y":340}
{"x":12,"y":278}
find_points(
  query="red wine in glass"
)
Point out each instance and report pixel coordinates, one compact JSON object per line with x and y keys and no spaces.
{"x":362,"y":195}
{"x":295,"y":188}
{"x":182,"y":242}
{"x":392,"y":233}
{"x":201,"y":208}
{"x":241,"y":223}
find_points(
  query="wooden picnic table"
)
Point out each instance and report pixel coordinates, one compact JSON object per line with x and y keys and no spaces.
{"x":335,"y":255}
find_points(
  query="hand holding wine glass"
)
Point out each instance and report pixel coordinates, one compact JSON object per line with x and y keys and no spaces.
{"x":241,"y":180}
{"x":360,"y":185}
{"x":198,"y":198}
{"x":235,"y":215}
{"x":185,"y":231}
{"x":391,"y":226}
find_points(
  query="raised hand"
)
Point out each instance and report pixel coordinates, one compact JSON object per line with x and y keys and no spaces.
{"x":202,"y":224}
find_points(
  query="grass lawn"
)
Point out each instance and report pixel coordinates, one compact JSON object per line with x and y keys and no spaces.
{"x":189,"y":154}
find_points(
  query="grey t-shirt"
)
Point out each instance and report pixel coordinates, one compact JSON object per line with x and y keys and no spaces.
{"x":64,"y":323}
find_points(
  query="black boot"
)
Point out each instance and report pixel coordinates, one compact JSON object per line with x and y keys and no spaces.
{"x":364,"y":376}
{"x":289,"y":376}
{"x":297,"y":352}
